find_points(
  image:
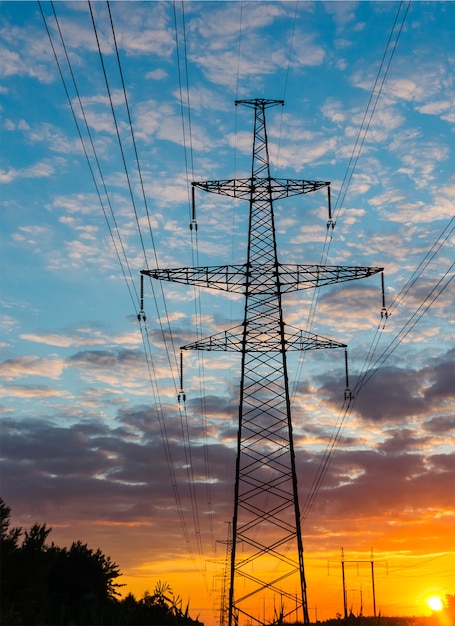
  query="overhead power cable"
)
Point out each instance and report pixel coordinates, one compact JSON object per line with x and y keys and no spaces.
{"x":182,"y":411}
{"x":165,"y":437}
{"x":356,"y":151}
{"x":429,"y":300}
{"x":130,"y":124}
{"x":131,"y":283}
{"x":188,"y":149}
{"x":436,"y":291}
{"x":371,"y":106}
{"x":144,"y":196}
{"x":145,"y":337}
{"x":130,"y":188}
{"x":117,"y":132}
{"x":409,"y":284}
{"x":291,"y":45}
{"x":429,"y":256}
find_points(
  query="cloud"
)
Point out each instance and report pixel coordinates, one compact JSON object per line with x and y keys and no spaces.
{"x":31,"y":365}
{"x":33,"y":235}
{"x":102,"y":466}
{"x":399,"y":396}
{"x":32,"y":391}
{"x":82,"y":337}
{"x":158,"y":74}
{"x":342,"y":12}
{"x":443,"y":108}
{"x":29,"y":60}
{"x":8,"y":323}
{"x":42,"y":169}
{"x":117,"y":367}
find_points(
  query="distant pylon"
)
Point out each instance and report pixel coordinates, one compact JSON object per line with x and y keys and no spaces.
{"x":266,"y":519}
{"x":225,"y":577}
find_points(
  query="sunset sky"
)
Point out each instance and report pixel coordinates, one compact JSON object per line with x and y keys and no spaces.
{"x":93,"y":440}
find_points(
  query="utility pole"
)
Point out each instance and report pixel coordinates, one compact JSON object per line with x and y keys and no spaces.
{"x":266,"y":517}
{"x":345,"y":598}
{"x":372,"y":583}
{"x":357,"y":561}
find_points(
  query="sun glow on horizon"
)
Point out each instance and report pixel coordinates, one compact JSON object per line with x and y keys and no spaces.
{"x":435,"y":603}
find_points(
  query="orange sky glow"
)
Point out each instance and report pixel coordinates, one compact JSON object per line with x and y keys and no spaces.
{"x":414,"y":560}
{"x":110,"y":114}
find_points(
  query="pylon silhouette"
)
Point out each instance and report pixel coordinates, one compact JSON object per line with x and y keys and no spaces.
{"x":266,"y":521}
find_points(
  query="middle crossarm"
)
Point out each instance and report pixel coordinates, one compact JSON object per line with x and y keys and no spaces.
{"x":234,"y":277}
{"x":245,"y":187}
{"x":294,"y":339}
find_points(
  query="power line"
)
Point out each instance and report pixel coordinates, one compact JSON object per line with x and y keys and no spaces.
{"x":429,"y":300}
{"x":145,"y":337}
{"x":365,"y":125}
{"x":195,"y":257}
{"x":186,"y":441}
{"x":429,"y":256}
{"x":361,"y":136}
{"x":363,"y":130}
{"x":132,"y":282}
{"x":346,"y":410}
{"x":117,"y":131}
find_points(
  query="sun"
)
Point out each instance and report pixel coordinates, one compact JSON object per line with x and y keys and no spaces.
{"x":435,"y":603}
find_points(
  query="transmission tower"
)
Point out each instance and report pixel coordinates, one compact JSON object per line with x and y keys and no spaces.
{"x":267,"y":575}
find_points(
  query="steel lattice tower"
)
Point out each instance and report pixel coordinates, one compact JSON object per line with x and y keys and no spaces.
{"x":268,"y":571}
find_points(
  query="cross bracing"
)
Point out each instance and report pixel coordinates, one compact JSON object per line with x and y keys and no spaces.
{"x":262,"y":277}
{"x":276,"y":188}
{"x":267,"y":547}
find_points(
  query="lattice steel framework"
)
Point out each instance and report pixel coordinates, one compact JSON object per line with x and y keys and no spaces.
{"x":267,"y":574}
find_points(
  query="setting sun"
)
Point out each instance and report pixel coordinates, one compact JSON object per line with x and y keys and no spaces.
{"x":435,"y":603}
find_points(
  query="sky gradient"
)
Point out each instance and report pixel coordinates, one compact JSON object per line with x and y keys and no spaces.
{"x":94,"y":442}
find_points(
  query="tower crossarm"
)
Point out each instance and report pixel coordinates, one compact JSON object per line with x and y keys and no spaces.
{"x":231,"y":341}
{"x":245,"y":188}
{"x":262,"y":278}
{"x":294,"y":277}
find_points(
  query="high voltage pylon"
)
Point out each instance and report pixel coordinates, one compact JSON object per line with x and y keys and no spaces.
{"x":267,"y":578}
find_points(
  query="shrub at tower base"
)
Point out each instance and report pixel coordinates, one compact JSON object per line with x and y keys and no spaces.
{"x":46,"y":584}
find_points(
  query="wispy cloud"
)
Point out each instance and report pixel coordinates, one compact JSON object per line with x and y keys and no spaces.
{"x":31,"y":365}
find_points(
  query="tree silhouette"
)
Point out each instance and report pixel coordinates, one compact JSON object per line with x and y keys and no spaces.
{"x":45,"y":584}
{"x":450,"y":606}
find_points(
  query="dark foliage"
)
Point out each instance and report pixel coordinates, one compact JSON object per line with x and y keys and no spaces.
{"x":43,"y":584}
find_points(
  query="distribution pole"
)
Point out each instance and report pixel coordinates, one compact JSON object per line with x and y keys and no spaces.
{"x":266,"y":517}
{"x":345,"y":598}
{"x":372,"y":583}
{"x":357,"y":561}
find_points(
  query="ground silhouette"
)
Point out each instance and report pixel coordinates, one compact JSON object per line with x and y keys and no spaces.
{"x":41,"y":583}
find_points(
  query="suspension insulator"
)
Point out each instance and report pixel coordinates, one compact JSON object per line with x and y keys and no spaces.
{"x":181,"y":394}
{"x":329,"y":203}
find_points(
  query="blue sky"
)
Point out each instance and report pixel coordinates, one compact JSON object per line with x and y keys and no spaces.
{"x":369,"y":106}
